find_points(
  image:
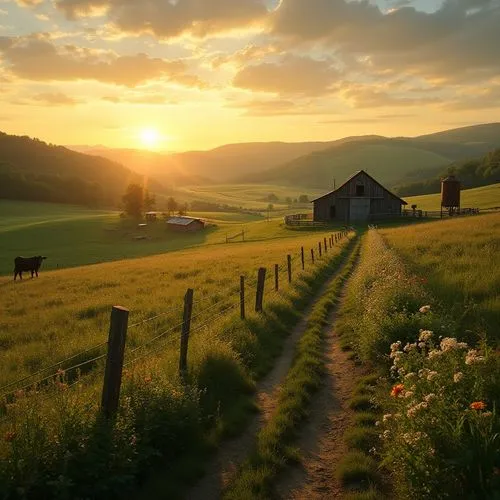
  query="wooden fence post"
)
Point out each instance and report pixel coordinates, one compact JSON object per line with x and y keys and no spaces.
{"x":259,"y":297}
{"x":319,"y":248}
{"x":114,"y":361}
{"x":186,"y":327}
{"x":312,"y":255}
{"x":324,"y":241}
{"x":289,"y":263}
{"x":330,"y":242}
{"x":276,"y":277}
{"x":302,"y":258}
{"x":242,"y":297}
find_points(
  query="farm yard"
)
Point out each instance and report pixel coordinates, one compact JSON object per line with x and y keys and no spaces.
{"x":265,"y":381}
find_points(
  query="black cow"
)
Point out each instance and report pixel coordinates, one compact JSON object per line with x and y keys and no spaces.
{"x":32,"y":264}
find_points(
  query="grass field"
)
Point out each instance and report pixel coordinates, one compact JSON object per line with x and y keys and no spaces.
{"x":73,"y":236}
{"x":66,"y":311}
{"x":422,"y":311}
{"x":252,"y":196}
{"x":460,"y":260}
{"x":482,"y":197}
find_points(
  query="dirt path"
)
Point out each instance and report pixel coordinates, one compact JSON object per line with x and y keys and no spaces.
{"x":233,"y":453}
{"x":321,"y":442}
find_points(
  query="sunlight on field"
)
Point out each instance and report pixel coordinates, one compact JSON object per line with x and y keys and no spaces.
{"x":73,"y":236}
{"x":460,"y":258}
{"x":482,"y":197}
{"x":64,"y":311}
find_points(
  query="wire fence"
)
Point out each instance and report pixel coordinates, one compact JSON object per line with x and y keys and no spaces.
{"x":191,"y":324}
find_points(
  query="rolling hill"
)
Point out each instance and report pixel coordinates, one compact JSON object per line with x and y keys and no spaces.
{"x":481,"y":197}
{"x":220,"y":165}
{"x":34,"y":170}
{"x":391,"y":161}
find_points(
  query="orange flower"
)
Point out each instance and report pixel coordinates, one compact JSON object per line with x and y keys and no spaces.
{"x":10,"y":436}
{"x":147,"y":380}
{"x":397,"y":390}
{"x":478,"y":405}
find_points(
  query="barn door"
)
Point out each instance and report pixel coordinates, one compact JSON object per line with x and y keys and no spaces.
{"x":360,"y":209}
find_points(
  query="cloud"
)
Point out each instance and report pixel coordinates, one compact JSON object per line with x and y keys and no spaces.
{"x":292,"y":75}
{"x":152,"y":99}
{"x":52,"y":99}
{"x":36,"y":58}
{"x":170,"y":18}
{"x":457,"y":42}
{"x":364,"y":96}
{"x":29,"y":3}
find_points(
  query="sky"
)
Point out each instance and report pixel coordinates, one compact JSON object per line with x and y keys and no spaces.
{"x":195,"y":74}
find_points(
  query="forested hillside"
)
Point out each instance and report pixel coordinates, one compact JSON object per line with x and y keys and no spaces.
{"x":33,"y":170}
{"x":472,"y":173}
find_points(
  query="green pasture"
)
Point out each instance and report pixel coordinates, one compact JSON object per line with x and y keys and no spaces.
{"x":74,"y":236}
{"x":246,"y":195}
{"x":482,"y":197}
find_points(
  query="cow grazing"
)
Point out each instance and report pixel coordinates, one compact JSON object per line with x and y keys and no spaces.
{"x":32,"y":264}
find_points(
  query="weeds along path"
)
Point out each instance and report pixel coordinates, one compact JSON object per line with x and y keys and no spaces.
{"x":321,"y":444}
{"x":232,"y":453}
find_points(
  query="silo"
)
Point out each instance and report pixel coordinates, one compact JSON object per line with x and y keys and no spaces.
{"x":450,"y":194}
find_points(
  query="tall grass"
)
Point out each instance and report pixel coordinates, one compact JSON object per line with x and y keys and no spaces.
{"x":440,"y":429}
{"x":58,"y":446}
{"x":459,"y":261}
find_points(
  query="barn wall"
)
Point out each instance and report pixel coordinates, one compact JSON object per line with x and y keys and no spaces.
{"x":381,"y":200}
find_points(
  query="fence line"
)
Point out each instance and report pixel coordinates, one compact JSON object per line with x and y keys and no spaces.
{"x":116,"y":351}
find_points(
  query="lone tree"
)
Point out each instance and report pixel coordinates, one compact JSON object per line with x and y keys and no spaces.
{"x":303,"y":198}
{"x":171,"y":205}
{"x":133,"y":200}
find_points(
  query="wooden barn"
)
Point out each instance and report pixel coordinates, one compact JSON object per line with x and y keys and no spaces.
{"x":361,"y":198}
{"x":185,"y":224}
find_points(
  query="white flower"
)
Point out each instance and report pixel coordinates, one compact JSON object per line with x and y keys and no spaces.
{"x":434,"y":354}
{"x":448,"y":344}
{"x":424,"y":309}
{"x":472,"y":357}
{"x":409,"y":347}
{"x":386,"y":417}
{"x":395,"y":346}
{"x":431,"y":375}
{"x":457,"y":377}
{"x":425,"y":335}
{"x":410,"y":376}
{"x":430,"y":397}
{"x":408,"y":394}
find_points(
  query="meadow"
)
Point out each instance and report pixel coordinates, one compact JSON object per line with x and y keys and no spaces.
{"x":161,"y":420}
{"x":459,"y":259}
{"x":482,"y":197}
{"x":74,"y":236}
{"x":422,"y":312}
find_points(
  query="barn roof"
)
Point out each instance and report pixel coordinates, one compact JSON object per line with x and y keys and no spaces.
{"x":182,"y":221}
{"x":351,"y":177}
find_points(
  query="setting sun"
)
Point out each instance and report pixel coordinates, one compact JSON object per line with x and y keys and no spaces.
{"x":150,"y":138}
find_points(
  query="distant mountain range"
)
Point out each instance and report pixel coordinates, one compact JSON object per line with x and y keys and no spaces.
{"x":391,"y":161}
{"x":312,"y":164}
{"x":32,"y":169}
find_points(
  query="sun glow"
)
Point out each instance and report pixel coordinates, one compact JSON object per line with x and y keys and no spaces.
{"x":150,"y":138}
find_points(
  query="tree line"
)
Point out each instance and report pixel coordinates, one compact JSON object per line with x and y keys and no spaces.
{"x":471,"y":173}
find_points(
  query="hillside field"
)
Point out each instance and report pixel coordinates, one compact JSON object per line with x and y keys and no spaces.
{"x":481,"y":197}
{"x":458,"y":257}
{"x":73,"y":236}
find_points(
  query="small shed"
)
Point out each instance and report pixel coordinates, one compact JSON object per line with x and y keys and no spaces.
{"x":185,"y":224}
{"x":151,"y":216}
{"x":359,"y":199}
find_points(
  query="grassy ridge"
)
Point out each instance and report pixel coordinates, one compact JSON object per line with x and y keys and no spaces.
{"x":458,"y":258}
{"x":275,"y":440}
{"x":481,"y":197}
{"x":62,"y":444}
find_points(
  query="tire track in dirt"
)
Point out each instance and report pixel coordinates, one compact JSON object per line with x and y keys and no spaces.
{"x":233,"y":452}
{"x":321,"y":441}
